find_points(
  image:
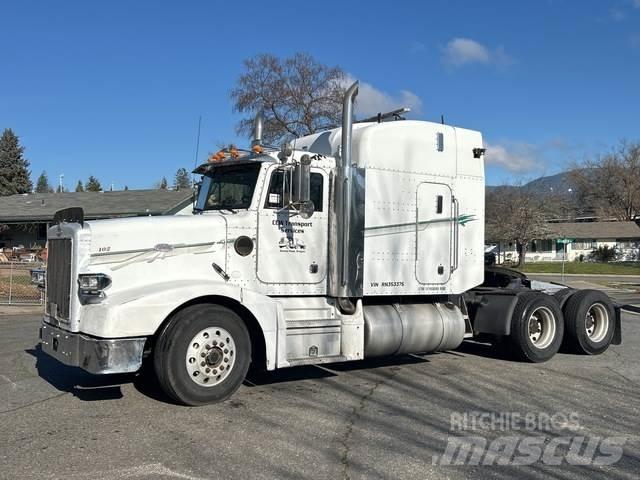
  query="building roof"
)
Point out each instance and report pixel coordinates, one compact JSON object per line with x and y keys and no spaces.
{"x":595,"y":230}
{"x":34,"y":207}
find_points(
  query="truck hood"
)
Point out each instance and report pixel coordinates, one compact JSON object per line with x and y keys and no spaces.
{"x":131,"y":235}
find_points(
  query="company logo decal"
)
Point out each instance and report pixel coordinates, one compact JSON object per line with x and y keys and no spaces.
{"x":466,"y":218}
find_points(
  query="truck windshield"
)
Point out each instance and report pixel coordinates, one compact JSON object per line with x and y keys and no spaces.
{"x":228,"y":187}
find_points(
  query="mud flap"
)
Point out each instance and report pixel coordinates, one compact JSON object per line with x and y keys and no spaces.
{"x":617,"y":335}
{"x":493,"y":312}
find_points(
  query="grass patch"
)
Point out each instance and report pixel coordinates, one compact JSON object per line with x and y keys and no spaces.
{"x":584,"y":268}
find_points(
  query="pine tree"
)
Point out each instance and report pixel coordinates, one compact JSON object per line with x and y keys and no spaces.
{"x":14,"y":168}
{"x":163,"y":184}
{"x":43,"y":185}
{"x":79,"y":187}
{"x":93,"y":185}
{"x":182,"y":180}
{"x":126,"y":188}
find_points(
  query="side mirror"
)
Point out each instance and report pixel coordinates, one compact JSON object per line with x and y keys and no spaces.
{"x":201,"y":193}
{"x":302,"y":187}
{"x":302,"y":180}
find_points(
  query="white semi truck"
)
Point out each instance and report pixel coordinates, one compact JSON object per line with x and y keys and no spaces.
{"x":356,"y":242}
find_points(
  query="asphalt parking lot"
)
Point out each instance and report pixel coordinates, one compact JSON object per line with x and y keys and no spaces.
{"x":374,"y":419}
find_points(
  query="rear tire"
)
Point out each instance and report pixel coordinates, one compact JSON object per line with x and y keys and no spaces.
{"x":589,"y":322}
{"x":537,"y":327}
{"x":563,"y":295}
{"x":202,"y":355}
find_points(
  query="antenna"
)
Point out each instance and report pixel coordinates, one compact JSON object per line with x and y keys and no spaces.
{"x":195,"y":157}
{"x":442,"y":119}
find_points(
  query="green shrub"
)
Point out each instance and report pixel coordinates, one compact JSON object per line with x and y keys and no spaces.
{"x":604,"y":254}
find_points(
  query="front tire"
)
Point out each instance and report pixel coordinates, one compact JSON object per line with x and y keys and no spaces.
{"x":202,"y":355}
{"x":537,"y":327}
{"x":590,"y":322}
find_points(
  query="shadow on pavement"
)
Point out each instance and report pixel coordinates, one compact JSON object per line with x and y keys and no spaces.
{"x":88,"y":387}
{"x":258,"y":378}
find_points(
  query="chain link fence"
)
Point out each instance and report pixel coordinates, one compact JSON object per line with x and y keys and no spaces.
{"x":15,"y":284}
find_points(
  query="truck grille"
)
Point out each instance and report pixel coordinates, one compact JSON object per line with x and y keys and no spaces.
{"x":59,"y":277}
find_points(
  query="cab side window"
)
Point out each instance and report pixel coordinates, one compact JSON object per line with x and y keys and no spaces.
{"x":279,"y":190}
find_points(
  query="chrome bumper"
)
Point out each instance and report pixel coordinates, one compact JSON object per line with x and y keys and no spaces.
{"x":95,"y":355}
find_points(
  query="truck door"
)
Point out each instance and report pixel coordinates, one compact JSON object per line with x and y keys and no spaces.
{"x":434,"y":233}
{"x":292,"y":249}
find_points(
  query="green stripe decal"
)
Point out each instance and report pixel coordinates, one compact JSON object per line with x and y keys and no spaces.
{"x":462,"y":220}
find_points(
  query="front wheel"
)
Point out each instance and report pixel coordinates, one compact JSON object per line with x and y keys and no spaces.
{"x":590,"y":322}
{"x":537,"y":327}
{"x":202,"y":355}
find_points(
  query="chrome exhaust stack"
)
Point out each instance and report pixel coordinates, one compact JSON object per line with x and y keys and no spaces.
{"x":258,"y":125}
{"x":346,"y":240}
{"x":347,"y":125}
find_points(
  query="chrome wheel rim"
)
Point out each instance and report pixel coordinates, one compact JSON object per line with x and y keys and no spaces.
{"x":210,"y":356}
{"x":596,"y":322}
{"x":542,"y":327}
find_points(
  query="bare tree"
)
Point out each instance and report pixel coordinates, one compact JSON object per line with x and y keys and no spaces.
{"x":610,"y":184}
{"x":520,"y":214}
{"x":297,"y":95}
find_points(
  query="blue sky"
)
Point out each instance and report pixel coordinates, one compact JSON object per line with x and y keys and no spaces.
{"x":114,"y":89}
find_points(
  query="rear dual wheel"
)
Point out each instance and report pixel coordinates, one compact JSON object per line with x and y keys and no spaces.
{"x":537,"y":327}
{"x":589,"y":322}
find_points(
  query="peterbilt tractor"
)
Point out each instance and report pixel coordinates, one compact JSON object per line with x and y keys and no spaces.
{"x":356,"y":242}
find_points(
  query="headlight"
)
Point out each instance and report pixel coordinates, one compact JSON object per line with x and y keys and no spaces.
{"x":93,"y":284}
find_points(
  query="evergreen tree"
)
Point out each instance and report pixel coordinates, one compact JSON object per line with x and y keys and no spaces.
{"x":163,"y":184}
{"x":126,"y":188}
{"x":60,"y":189}
{"x":42,"y":185}
{"x":79,"y":187}
{"x":14,"y":168}
{"x":182,"y":180}
{"x":93,"y":185}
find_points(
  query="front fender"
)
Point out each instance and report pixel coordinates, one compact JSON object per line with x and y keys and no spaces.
{"x":140,"y":311}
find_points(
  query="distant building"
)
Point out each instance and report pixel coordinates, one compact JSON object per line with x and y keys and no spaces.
{"x":28,"y":216}
{"x":586,"y":236}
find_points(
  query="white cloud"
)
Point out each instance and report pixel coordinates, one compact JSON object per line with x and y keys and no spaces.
{"x":463,"y":51}
{"x":514,"y":156}
{"x":371,"y":101}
